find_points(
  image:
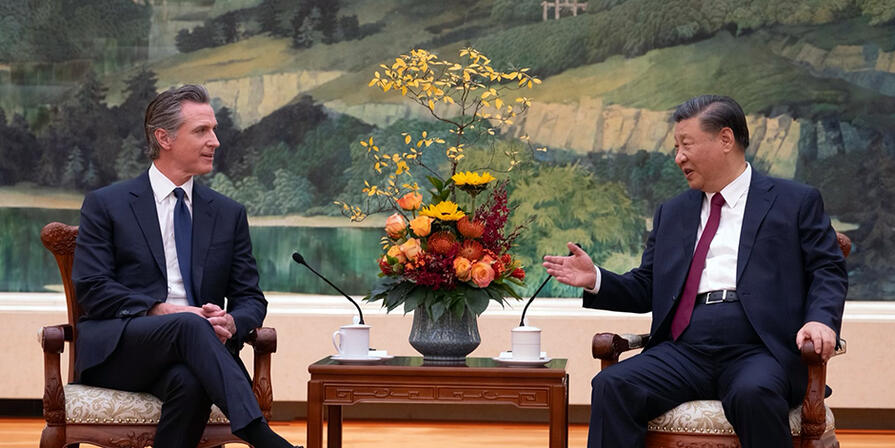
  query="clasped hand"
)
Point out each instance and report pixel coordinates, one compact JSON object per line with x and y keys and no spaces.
{"x":220,"y":320}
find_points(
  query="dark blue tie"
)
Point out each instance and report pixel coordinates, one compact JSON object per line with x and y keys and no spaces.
{"x":183,"y":241}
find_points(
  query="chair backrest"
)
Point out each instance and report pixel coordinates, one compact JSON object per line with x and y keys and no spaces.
{"x":60,"y":239}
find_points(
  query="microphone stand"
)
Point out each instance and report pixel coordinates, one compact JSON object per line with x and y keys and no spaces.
{"x":301,"y":260}
{"x":524,"y":310}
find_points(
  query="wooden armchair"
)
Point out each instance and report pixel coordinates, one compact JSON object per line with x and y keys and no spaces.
{"x":109,"y":418}
{"x":702,"y":423}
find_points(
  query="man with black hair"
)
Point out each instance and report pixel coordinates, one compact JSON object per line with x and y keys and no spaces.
{"x":738,"y":272}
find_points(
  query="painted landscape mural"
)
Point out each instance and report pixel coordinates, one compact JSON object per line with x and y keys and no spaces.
{"x":290,"y":85}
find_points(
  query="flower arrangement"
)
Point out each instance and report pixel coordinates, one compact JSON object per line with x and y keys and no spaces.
{"x":450,"y":254}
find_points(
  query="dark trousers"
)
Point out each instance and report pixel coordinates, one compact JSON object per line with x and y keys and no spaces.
{"x":718,"y":357}
{"x":178,"y":358}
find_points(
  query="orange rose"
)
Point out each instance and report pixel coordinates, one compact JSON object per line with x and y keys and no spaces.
{"x":395,"y":252}
{"x":412,"y":249}
{"x":395,"y":226}
{"x":411,"y":201}
{"x":421,"y":225}
{"x":482,"y":274}
{"x":463,"y":268}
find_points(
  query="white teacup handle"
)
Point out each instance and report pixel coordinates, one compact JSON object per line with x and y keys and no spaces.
{"x":335,"y":344}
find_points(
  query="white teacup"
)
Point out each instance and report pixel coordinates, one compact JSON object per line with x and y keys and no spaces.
{"x":354,"y":340}
{"x":526,"y":343}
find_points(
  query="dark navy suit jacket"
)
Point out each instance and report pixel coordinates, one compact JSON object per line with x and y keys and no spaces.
{"x":119,"y":266}
{"x":790,"y":269}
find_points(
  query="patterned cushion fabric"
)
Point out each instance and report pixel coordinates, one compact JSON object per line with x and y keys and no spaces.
{"x":707,"y":417}
{"x":96,"y":405}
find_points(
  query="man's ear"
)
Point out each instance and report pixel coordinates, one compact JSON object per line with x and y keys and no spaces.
{"x":728,"y":142}
{"x":163,"y":138}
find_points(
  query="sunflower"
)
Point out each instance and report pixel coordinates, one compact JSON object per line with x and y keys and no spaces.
{"x":471,"y":182}
{"x":472,"y":178}
{"x":444,"y":210}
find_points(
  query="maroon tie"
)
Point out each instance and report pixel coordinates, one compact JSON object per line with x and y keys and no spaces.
{"x":688,"y":297}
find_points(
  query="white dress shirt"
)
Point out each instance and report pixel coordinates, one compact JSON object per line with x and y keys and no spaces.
{"x":163,"y":190}
{"x":721,"y":260}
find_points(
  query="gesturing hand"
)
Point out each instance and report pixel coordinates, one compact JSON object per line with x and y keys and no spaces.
{"x":221,"y":321}
{"x":823,"y":337}
{"x":576,"y":269}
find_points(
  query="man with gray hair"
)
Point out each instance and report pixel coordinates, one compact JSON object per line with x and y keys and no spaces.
{"x":729,"y":311}
{"x":156,"y":257}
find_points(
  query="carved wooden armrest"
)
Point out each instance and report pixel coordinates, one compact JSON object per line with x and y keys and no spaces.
{"x":813,"y":409}
{"x":52,"y":340}
{"x":609,"y":346}
{"x":264,"y":342}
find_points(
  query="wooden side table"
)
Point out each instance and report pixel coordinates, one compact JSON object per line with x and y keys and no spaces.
{"x":405,"y":379}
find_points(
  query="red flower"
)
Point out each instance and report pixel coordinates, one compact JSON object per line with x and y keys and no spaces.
{"x":518,"y":273}
{"x":442,"y":243}
{"x":469,"y":228}
{"x":472,"y":250}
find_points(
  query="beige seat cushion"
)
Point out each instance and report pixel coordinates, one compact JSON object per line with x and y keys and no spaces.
{"x":97,"y":405}
{"x":707,"y":417}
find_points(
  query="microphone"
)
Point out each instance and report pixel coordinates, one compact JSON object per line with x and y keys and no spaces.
{"x":301,"y":260}
{"x":524,"y":310}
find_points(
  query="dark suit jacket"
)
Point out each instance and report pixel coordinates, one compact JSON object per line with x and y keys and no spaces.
{"x":119,"y":266}
{"x":790,"y":269}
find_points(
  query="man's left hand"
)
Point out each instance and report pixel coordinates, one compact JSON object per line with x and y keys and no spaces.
{"x":220,"y":320}
{"x":823,"y":337}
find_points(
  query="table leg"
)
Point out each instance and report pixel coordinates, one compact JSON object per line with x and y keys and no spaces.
{"x":559,"y":416}
{"x":315,"y":414}
{"x":334,"y":426}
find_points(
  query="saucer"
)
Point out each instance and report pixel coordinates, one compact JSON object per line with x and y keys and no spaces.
{"x":506,"y":359}
{"x":375,"y":357}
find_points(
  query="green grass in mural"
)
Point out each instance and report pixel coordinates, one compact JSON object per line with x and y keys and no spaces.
{"x":739,"y":67}
{"x":849,"y":32}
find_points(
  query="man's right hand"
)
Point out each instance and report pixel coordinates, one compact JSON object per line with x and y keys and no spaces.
{"x":168,"y":308}
{"x":576,"y":269}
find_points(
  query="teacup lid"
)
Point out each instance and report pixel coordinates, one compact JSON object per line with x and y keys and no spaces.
{"x":527,"y":328}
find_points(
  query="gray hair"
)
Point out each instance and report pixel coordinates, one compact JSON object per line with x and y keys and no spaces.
{"x":164,"y":112}
{"x":716,"y":112}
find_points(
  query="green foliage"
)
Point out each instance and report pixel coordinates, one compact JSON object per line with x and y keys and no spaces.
{"x":636,"y":26}
{"x":516,"y":11}
{"x":74,"y":169}
{"x":325,"y":153}
{"x":291,"y":193}
{"x":131,"y":160}
{"x":879,"y":11}
{"x":18,"y":154}
{"x":395,"y":292}
{"x":62,"y":30}
{"x":568,"y":204}
{"x":649,"y":177}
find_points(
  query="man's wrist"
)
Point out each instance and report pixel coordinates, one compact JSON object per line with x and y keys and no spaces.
{"x":597,"y":278}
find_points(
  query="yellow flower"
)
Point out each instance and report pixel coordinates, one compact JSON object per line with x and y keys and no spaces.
{"x":471,"y":178}
{"x":444,"y":210}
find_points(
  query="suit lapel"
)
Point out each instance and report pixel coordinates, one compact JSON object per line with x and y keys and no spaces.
{"x":759,"y":201}
{"x":690,"y":224}
{"x":204,"y":213}
{"x":143,"y":205}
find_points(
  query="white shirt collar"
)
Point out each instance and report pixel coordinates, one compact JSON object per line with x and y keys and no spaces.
{"x":162,"y":186}
{"x":736,"y":189}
